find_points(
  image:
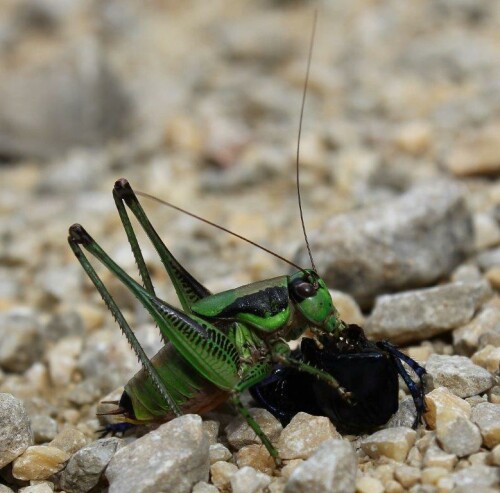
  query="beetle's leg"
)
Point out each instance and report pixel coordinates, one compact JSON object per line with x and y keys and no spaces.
{"x":78,"y":236}
{"x":416,"y":391}
{"x":316,"y":372}
{"x":188,"y":289}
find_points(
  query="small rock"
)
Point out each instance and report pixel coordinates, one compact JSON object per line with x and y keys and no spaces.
{"x":414,"y":137}
{"x":488,"y":358}
{"x":239,"y":433}
{"x":405,"y":243}
{"x":38,"y":488}
{"x":367,"y":484}
{"x":493,"y":277}
{"x":486,"y":231}
{"x":44,"y":428}
{"x":487,"y":416}
{"x":70,"y":440}
{"x":21,"y":342}
{"x":479,"y":154}
{"x":203,"y":487}
{"x":221,"y":474}
{"x":394,"y":443}
{"x":494,"y":457}
{"x":423,"y":313}
{"x":171,"y":458}
{"x":474,"y":477}
{"x":211,"y":429}
{"x":5,"y":489}
{"x":437,"y":457}
{"x":248,"y":480}
{"x":63,"y":324}
{"x":39,"y":462}
{"x":404,"y":416}
{"x":407,"y":475}
{"x":456,"y":434}
{"x":466,"y":273}
{"x":466,"y":338}
{"x":257,"y":457}
{"x":431,"y":475}
{"x":15,"y":431}
{"x":443,"y":400}
{"x":459,"y":375}
{"x":218,"y":452}
{"x":489,"y":259}
{"x":330,"y":469}
{"x":347,"y":307}
{"x":302,"y":436}
{"x":85,"y":467}
{"x":62,"y":359}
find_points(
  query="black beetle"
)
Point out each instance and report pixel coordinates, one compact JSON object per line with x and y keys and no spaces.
{"x":369,"y":370}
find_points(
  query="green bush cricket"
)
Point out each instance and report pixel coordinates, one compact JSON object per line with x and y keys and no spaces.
{"x":218,"y":345}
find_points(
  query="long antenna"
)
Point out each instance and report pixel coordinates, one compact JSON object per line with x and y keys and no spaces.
{"x":311,"y":44}
{"x":206,"y":221}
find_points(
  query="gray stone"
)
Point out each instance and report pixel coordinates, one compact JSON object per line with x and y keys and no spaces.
{"x":20,"y":344}
{"x":85,"y":467}
{"x":44,"y":428}
{"x":474,"y":477}
{"x":303,"y":435}
{"x":171,"y":458}
{"x":457,"y":435}
{"x":466,"y":338}
{"x":204,"y":487}
{"x":459,"y":375}
{"x":239,"y":433}
{"x":423,"y":313}
{"x":405,"y":243}
{"x":487,"y":416}
{"x":72,"y":100}
{"x":394,"y":443}
{"x":44,"y":487}
{"x":331,"y":469}
{"x":489,"y":258}
{"x":404,"y":416}
{"x":248,"y":480}
{"x":15,"y":432}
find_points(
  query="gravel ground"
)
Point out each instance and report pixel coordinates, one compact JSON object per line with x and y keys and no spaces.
{"x":197,"y":103}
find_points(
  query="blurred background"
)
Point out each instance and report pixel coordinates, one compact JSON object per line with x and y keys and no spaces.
{"x":198,"y":103}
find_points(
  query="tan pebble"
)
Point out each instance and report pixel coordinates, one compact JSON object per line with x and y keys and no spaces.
{"x":441,"y":400}
{"x":419,"y":353}
{"x":494,"y":394}
{"x":45,"y":487}
{"x":494,"y":456}
{"x":479,"y":458}
{"x":445,"y":485}
{"x":393,"y":486}
{"x":304,"y":434}
{"x":414,"y":137}
{"x":71,"y":416}
{"x":217,"y":452}
{"x":367,"y":484}
{"x":488,"y":357}
{"x":39,"y":462}
{"x":393,"y":443}
{"x":431,"y":475}
{"x":290,"y":467}
{"x":384,"y":472}
{"x":221,"y":473}
{"x":70,"y":440}
{"x":407,"y":476}
{"x":436,"y":457}
{"x":92,"y":317}
{"x":277,"y":485}
{"x":349,"y":310}
{"x":493,"y":276}
{"x":62,"y":359}
{"x":414,"y":458}
{"x":257,"y":457}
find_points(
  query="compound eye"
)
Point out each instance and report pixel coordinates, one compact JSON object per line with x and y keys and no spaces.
{"x":304,"y":289}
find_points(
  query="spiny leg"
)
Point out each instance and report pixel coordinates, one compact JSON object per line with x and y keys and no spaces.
{"x":416,"y":391}
{"x":254,"y":375}
{"x":78,"y":236}
{"x":188,"y":289}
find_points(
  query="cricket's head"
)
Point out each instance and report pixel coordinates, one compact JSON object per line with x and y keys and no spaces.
{"x":313,"y":300}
